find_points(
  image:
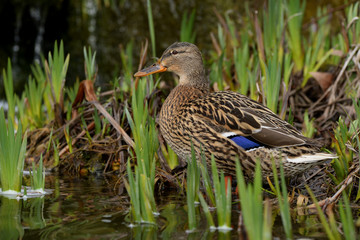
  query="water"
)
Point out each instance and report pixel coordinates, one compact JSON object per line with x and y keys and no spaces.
{"x":94,"y":208}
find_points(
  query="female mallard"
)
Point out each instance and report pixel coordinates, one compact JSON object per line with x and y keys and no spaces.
{"x":226,"y":124}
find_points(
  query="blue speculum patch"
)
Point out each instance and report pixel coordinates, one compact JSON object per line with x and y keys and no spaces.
{"x":245,"y":142}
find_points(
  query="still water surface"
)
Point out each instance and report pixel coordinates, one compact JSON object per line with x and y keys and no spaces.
{"x":93,"y":208}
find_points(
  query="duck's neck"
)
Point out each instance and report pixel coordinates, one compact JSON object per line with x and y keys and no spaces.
{"x":179,"y":96}
{"x":196,"y":79}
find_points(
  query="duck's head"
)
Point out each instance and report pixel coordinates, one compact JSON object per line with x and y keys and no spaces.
{"x":182,"y":58}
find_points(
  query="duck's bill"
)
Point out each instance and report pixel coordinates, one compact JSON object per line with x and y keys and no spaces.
{"x":155,"y":68}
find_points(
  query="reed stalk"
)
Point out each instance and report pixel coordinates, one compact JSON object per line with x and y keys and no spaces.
{"x":56,"y":67}
{"x":295,"y":13}
{"x":151,"y":27}
{"x":89,"y":63}
{"x":126,"y":55}
{"x":309,"y":129}
{"x":329,"y":227}
{"x":187,"y":33}
{"x":35,"y":112}
{"x":347,"y":220}
{"x":37,"y":176}
{"x":12,"y":155}
{"x":222,"y":198}
{"x":207,"y":181}
{"x":282,"y":196}
{"x":192,"y":189}
{"x":9,"y":91}
{"x":343,"y":136}
{"x":141,"y":186}
{"x":139,"y":191}
{"x":256,"y":218}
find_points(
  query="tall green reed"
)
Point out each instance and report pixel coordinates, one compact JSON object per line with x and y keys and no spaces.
{"x":145,"y":138}
{"x":347,"y":219}
{"x":9,"y":91}
{"x":343,"y":136}
{"x":39,"y":74}
{"x":272,"y":83}
{"x":127,"y":64}
{"x":206,"y":180}
{"x":90,"y":65}
{"x":309,"y":129}
{"x":22,"y":110}
{"x":241,"y":61}
{"x":37,"y":176}
{"x":187,"y":33}
{"x":294,"y":10}
{"x":273,"y":25}
{"x":255,"y":214}
{"x":222,"y":198}
{"x":56,"y":67}
{"x":318,"y":50}
{"x":141,"y":195}
{"x":282,"y":196}
{"x":353,"y":24}
{"x":35,"y":112}
{"x":271,"y":53}
{"x":170,"y":156}
{"x":12,"y":154}
{"x":192,"y":188}
{"x":329,"y":226}
{"x":151,"y":27}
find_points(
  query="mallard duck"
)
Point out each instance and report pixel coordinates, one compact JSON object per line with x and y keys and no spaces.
{"x":226,"y":124}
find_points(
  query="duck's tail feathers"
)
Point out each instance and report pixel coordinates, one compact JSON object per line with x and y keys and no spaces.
{"x":312,"y":158}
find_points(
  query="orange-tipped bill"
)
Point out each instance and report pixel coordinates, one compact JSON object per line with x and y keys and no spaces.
{"x":155,"y":68}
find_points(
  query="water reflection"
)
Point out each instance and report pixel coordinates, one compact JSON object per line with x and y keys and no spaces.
{"x":90,"y":208}
{"x":32,"y":213}
{"x":10,"y":219}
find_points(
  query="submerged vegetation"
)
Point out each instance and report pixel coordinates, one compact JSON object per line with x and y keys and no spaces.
{"x":307,"y":73}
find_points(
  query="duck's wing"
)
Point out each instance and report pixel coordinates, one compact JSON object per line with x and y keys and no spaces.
{"x":246,"y":122}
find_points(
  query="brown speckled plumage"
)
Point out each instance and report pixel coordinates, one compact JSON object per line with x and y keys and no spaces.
{"x":191,"y":114}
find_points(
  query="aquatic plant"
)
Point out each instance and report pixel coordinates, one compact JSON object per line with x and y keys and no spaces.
{"x":90,"y":66}
{"x":207,"y":183}
{"x":187,"y":33}
{"x":37,"y":176}
{"x":295,"y":13}
{"x":151,"y":27}
{"x":255,"y":214}
{"x":56,"y":67}
{"x":222,"y":198}
{"x":141,"y":186}
{"x":343,"y":136}
{"x":329,"y":227}
{"x":126,"y":55}
{"x":192,"y":188}
{"x":38,"y":72}
{"x":12,"y":155}
{"x":34,"y":94}
{"x":170,"y":156}
{"x":9,"y":91}
{"x":282,"y":197}
{"x":141,"y":195}
{"x":347,"y":220}
{"x":309,"y":129}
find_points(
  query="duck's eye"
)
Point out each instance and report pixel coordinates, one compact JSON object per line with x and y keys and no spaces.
{"x":174,"y":52}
